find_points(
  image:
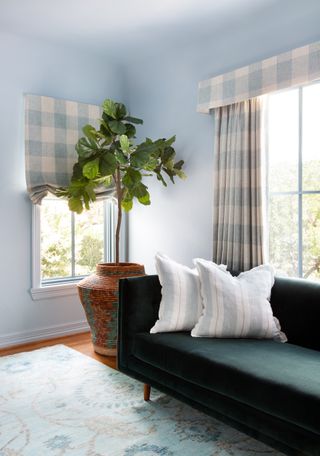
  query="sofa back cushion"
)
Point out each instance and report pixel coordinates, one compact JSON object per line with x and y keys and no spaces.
{"x":296,"y":303}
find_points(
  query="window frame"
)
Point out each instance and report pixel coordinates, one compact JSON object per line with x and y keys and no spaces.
{"x":54,"y":288}
{"x":299,"y":192}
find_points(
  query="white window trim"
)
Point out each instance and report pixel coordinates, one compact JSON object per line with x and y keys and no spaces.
{"x":39,"y":291}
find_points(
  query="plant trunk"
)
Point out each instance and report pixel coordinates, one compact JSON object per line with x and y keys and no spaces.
{"x":119,"y":198}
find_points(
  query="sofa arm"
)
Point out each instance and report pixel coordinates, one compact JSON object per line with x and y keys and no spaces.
{"x":139,"y":300}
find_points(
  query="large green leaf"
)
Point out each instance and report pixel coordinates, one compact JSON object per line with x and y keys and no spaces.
{"x":108,"y":164}
{"x":127,"y":201}
{"x":120,"y":156}
{"x":133,"y":120}
{"x":86,"y":201}
{"x":152,"y":164}
{"x":90,"y":131}
{"x":134,"y":187}
{"x":105,"y":121}
{"x":89,"y":188}
{"x":152,"y":146}
{"x":145,"y":199}
{"x":107,"y":181}
{"x":91,"y":169}
{"x":125,"y":144}
{"x":131,"y":178}
{"x":77,"y":171}
{"x":179,"y":164}
{"x":121,"y":111}
{"x":130,"y":130}
{"x":169,"y":164}
{"x":85,"y":148}
{"x":170,"y":141}
{"x":127,"y":204}
{"x":106,"y":142}
{"x":168,"y":155}
{"x":139,"y":190}
{"x":109,"y":107}
{"x":106,"y":133}
{"x":139,"y":158}
{"x":143,"y":154}
{"x":177,"y":168}
{"x":117,"y":127}
{"x":76,"y":187}
{"x":75,"y":205}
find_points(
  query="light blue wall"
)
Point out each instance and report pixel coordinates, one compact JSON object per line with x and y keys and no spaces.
{"x":163,"y":91}
{"x":29,"y":66}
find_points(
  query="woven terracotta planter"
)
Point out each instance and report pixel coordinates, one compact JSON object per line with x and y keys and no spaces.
{"x":99,"y":295}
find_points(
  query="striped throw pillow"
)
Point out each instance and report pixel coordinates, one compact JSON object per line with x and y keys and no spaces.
{"x":236,"y":307}
{"x":181,"y":305}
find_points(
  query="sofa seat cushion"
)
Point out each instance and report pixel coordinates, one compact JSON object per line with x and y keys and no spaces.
{"x":280,"y":379}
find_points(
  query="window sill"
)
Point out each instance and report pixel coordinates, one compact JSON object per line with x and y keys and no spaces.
{"x":54,"y":291}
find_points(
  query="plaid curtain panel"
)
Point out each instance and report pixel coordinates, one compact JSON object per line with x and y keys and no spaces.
{"x":294,"y":68}
{"x":237,"y":211}
{"x":52,"y":129}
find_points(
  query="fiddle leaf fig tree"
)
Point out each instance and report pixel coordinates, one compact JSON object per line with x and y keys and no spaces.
{"x":108,"y":155}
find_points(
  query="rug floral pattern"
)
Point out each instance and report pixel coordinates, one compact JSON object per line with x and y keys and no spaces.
{"x":58,"y":402}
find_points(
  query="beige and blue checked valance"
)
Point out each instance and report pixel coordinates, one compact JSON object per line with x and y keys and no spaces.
{"x":290,"y":69}
{"x":52,"y":129}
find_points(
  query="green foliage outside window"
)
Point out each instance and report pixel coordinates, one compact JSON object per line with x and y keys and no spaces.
{"x":91,"y":252}
{"x":283,"y":221}
{"x":58,"y":233}
{"x":55,"y":261}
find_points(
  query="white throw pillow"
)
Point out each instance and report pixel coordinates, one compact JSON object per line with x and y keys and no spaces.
{"x":236,"y":307}
{"x":181,"y":305}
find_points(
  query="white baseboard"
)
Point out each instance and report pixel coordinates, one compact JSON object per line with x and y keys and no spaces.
{"x":44,"y":333}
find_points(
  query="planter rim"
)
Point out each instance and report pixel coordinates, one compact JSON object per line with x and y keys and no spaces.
{"x":111,"y":271}
{"x":118,"y":266}
{"x":121,"y":270}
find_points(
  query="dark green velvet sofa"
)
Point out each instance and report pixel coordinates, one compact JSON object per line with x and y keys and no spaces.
{"x":266,"y":389}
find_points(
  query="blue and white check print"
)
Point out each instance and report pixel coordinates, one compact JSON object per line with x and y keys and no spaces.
{"x":52,"y":129}
{"x":290,"y":69}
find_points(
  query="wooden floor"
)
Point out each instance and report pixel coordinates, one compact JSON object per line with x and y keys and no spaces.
{"x":80,"y":342}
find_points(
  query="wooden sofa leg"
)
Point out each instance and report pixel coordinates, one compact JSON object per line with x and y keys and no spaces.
{"x":146,"y":392}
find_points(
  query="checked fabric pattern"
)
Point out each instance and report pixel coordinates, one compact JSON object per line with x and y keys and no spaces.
{"x":293,"y":68}
{"x":237,"y":186}
{"x":52,"y":129}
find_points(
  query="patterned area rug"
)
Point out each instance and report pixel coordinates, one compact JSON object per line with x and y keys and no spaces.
{"x":56,"y":401}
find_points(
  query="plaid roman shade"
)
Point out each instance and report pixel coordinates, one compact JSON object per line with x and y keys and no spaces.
{"x":52,"y":129}
{"x":293,"y":68}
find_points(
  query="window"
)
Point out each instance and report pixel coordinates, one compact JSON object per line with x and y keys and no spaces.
{"x":293,"y":156}
{"x":67,"y":246}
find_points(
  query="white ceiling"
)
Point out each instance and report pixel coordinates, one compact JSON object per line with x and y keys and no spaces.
{"x":106,"y":25}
